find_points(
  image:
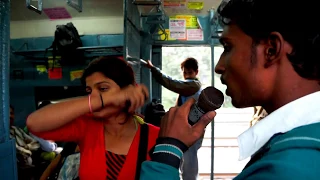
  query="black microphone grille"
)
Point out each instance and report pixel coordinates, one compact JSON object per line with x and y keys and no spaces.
{"x":210,"y":99}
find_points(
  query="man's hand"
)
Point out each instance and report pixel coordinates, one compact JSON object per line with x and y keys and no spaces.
{"x":175,"y":124}
{"x":149,"y":64}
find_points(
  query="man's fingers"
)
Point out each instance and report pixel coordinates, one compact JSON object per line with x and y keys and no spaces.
{"x":171,"y":113}
{"x":199,"y":127}
{"x":165,"y":121}
{"x":187,"y":105}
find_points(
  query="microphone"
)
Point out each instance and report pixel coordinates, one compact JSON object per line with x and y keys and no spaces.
{"x":210,"y":99}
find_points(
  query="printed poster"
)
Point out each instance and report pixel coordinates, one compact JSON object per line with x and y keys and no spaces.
{"x":195,"y":5}
{"x":163,"y":37}
{"x":175,"y":4}
{"x":191,"y":21}
{"x":41,"y":69}
{"x":183,"y":27}
{"x":75,"y":74}
{"x":54,"y":68}
{"x":177,"y":28}
{"x":194,"y":35}
{"x":55,"y":73}
{"x":57,"y":13}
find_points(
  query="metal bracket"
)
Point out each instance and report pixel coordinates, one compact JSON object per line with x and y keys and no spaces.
{"x":33,"y":8}
{"x":73,"y":4}
{"x":157,"y":16}
{"x":216,"y":30}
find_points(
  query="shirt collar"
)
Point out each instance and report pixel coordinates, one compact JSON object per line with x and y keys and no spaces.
{"x":300,"y":112}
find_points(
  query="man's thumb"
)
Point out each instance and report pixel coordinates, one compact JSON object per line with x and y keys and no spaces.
{"x":204,"y":121}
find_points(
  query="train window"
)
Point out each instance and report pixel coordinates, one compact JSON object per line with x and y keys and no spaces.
{"x":229,"y":122}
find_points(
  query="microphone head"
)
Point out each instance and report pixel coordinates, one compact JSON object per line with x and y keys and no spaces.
{"x":210,"y":99}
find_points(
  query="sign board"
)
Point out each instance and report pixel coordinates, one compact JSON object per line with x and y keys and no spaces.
{"x":194,"y":35}
{"x":177,"y":28}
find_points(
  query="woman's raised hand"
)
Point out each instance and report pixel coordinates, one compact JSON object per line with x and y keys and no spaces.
{"x":131,"y":97}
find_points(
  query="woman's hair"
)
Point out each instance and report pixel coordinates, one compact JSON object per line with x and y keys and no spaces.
{"x":112,"y":67}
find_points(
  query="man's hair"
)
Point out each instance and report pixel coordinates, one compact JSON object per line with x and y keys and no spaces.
{"x":190,"y":63}
{"x":295,"y":20}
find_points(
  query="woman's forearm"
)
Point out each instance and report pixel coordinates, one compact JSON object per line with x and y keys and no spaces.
{"x":56,"y":115}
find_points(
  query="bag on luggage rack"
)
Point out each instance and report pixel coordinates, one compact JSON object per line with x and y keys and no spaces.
{"x":65,"y":44}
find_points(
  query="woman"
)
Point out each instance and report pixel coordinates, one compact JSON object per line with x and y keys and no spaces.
{"x":103,"y":124}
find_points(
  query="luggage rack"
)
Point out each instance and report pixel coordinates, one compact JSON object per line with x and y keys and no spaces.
{"x":90,"y":52}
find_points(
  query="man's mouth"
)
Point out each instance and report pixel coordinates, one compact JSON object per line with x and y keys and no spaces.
{"x":223,"y":81}
{"x":227,"y":92}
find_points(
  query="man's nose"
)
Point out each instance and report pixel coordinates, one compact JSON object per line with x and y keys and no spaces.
{"x":220,"y":67}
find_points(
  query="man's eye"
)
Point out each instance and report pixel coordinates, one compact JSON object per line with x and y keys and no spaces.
{"x":226,"y":48}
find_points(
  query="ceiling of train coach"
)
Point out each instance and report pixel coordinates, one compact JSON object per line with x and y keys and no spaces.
{"x":194,"y":7}
{"x":98,"y":8}
{"x":91,"y":8}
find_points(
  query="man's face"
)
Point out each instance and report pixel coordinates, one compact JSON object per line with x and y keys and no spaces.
{"x":11,"y":116}
{"x":242,"y":69}
{"x":189,"y":73}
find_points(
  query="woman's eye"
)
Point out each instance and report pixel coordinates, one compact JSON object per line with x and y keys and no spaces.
{"x":102,"y":89}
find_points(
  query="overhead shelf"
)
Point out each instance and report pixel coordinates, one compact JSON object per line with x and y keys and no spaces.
{"x":89,"y":52}
{"x":147,"y":3}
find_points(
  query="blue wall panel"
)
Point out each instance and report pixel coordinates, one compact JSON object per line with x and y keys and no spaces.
{"x":8,"y":168}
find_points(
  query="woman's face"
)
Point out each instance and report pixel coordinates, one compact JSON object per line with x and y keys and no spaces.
{"x":97,"y":83}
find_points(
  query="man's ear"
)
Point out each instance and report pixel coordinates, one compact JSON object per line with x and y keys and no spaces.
{"x":274,"y":49}
{"x":197,"y":71}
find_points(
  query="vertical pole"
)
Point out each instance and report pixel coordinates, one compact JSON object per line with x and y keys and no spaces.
{"x":4,"y":66}
{"x":145,"y":52}
{"x":211,"y":15}
{"x":157,"y":62}
{"x":8,"y":162}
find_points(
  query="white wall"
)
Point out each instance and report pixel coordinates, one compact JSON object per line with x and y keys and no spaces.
{"x":85,"y":26}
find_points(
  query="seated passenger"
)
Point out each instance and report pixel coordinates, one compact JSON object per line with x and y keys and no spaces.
{"x":46,"y":145}
{"x":25,"y":144}
{"x":57,"y":166}
{"x":103,"y":124}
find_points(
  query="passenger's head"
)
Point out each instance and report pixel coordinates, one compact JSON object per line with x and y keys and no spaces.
{"x":11,"y":115}
{"x":189,"y":68}
{"x":270,"y":47}
{"x":107,"y":74}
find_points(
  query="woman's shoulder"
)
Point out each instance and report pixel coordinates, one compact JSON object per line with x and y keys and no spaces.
{"x":153,"y":127}
{"x":153,"y":130}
